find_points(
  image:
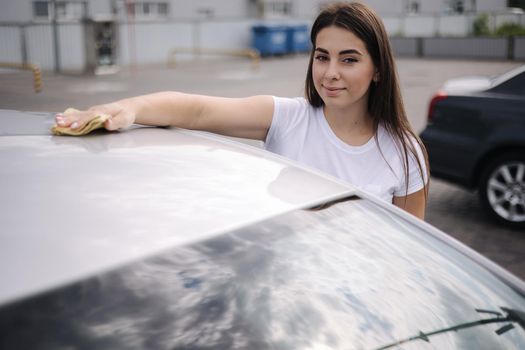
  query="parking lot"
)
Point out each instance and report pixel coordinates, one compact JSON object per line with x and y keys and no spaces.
{"x":450,"y":208}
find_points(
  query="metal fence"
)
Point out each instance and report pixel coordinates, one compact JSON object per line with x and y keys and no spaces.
{"x":481,"y":48}
{"x":519,"y":49}
{"x":33,"y":43}
{"x":487,"y":48}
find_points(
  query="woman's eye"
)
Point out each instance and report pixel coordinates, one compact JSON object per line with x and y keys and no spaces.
{"x":321,"y":58}
{"x":349,"y":60}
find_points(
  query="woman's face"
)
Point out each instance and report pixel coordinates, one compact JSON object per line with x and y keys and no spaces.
{"x":342,"y":68}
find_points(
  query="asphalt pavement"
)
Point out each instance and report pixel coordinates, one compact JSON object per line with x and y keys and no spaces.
{"x":451,"y":209}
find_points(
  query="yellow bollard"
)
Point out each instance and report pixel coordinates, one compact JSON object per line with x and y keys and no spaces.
{"x":37,"y":75}
{"x":254,"y":55}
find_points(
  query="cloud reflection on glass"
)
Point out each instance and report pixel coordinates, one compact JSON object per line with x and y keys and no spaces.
{"x":347,"y":277}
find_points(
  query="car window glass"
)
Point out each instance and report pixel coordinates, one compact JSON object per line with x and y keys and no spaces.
{"x":353,"y":276}
{"x":514,"y":86}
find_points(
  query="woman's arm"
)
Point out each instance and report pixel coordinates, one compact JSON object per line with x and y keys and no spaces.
{"x":248,"y":117}
{"x":415,"y":203}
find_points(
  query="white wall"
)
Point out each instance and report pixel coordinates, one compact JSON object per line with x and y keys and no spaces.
{"x":10,"y":47}
{"x":431,"y":7}
{"x":425,"y":26}
{"x":394,"y":25}
{"x":306,"y":9}
{"x":391,"y":7}
{"x":72,"y":47}
{"x":16,"y":10}
{"x":220,"y":35}
{"x":99,"y":7}
{"x":184,"y":35}
{"x":39,"y":46}
{"x":185,"y":9}
{"x":454,"y":25}
{"x":166,"y":37}
{"x":490,"y":5}
{"x":503,"y":18}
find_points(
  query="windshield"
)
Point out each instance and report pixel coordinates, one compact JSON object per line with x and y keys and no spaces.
{"x":352,"y":276}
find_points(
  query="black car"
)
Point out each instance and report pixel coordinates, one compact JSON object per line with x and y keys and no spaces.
{"x":476,"y":138}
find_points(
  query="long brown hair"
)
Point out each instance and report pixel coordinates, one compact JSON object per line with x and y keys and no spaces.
{"x":385,"y":104}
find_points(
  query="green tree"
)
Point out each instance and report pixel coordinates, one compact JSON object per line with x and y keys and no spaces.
{"x":481,"y":25}
{"x":510,"y":29}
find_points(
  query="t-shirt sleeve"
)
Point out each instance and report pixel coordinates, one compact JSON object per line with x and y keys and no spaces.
{"x":287,"y":113}
{"x":415,"y":181}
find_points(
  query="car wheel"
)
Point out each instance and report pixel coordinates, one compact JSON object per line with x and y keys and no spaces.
{"x":502,"y":189}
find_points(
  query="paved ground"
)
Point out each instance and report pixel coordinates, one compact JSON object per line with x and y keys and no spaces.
{"x":451,"y":209}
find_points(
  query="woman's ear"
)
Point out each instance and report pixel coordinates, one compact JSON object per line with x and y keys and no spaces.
{"x":376,"y":77}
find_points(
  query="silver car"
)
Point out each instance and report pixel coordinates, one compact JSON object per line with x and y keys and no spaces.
{"x":161,"y":238}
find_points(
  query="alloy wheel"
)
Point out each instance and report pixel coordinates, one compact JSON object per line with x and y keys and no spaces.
{"x":506,"y":191}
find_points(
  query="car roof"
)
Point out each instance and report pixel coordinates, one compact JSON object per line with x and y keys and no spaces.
{"x":74,"y":206}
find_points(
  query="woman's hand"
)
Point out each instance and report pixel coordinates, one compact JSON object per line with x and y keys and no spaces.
{"x":120,"y":116}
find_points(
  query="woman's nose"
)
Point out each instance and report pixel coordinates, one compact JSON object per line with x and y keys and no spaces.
{"x":332,"y":71}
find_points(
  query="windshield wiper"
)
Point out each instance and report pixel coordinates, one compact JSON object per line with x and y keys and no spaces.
{"x":512,"y":316}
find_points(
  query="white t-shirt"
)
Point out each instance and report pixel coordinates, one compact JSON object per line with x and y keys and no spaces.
{"x":301,"y":132}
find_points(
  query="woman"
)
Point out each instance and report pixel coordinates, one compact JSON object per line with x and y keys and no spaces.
{"x":352,"y":123}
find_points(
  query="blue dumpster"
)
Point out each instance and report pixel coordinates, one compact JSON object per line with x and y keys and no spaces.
{"x":270,"y":40}
{"x":297,"y":38}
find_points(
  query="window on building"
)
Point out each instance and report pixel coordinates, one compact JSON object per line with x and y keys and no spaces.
{"x":76,"y":10}
{"x":41,"y":9}
{"x":162,"y":8}
{"x":413,"y":6}
{"x":206,"y":12}
{"x":61,"y":10}
{"x":149,"y":10}
{"x":456,"y":6}
{"x":277,"y":8}
{"x":64,"y":10}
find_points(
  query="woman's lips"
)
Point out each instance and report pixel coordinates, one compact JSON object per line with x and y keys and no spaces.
{"x":332,"y":91}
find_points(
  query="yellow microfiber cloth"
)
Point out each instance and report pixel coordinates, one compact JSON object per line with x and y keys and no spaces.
{"x":95,"y":123}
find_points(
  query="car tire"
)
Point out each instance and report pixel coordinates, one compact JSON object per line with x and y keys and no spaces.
{"x":502,"y":189}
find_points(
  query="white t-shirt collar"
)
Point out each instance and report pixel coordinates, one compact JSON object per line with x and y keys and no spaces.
{"x":336,"y":141}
